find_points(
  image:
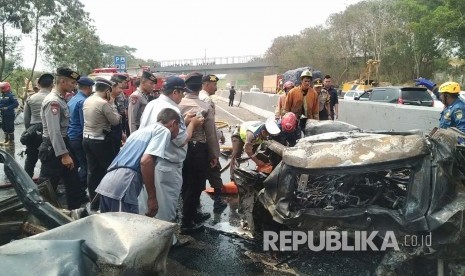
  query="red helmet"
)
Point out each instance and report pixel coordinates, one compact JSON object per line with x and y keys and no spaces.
{"x":5,"y":86}
{"x":289,"y":122}
{"x":288,"y":84}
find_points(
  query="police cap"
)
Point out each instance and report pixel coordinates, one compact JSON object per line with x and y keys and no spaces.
{"x":194,"y":82}
{"x":104,"y":82}
{"x":174,"y":82}
{"x":44,"y":78}
{"x":85,"y":81}
{"x":149,"y":76}
{"x":210,"y":78}
{"x":66,"y":72}
{"x":317,"y":83}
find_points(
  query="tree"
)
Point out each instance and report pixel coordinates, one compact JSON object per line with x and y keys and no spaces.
{"x":70,"y":32}
{"x":13,"y":16}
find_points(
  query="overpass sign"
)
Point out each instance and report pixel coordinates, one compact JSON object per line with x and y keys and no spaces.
{"x":120,"y":63}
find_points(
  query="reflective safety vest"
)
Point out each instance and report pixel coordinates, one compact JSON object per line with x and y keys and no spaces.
{"x":253,"y":126}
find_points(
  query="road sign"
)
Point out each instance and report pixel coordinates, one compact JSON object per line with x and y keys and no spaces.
{"x":120,"y":63}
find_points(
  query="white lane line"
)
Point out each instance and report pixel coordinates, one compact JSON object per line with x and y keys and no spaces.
{"x":230,"y":114}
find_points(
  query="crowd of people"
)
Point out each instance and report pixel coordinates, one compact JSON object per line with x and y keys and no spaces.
{"x":108,"y":149}
{"x":171,"y":149}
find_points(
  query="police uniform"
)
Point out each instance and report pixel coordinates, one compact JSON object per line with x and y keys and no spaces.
{"x":137,"y":102}
{"x":55,"y":120}
{"x":99,"y":116}
{"x":323,"y":100}
{"x":453,"y":116}
{"x":76,"y":127}
{"x":8,"y":103}
{"x":32,"y":136}
{"x":118,"y":130}
{"x":202,"y":148}
{"x":168,"y":170}
{"x":213,"y":174}
{"x":247,"y":133}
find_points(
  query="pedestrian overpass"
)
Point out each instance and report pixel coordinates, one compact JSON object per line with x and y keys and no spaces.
{"x":215,"y":65}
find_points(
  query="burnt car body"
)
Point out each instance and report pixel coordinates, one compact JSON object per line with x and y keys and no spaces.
{"x":48,"y":240}
{"x":406,"y":182}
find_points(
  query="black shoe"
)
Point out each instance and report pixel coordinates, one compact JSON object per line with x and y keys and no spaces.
{"x":201,"y":217}
{"x":219,"y":204}
{"x":190,"y":227}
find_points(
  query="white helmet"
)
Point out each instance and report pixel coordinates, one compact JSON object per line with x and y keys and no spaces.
{"x":306,"y":73}
{"x":272,"y":127}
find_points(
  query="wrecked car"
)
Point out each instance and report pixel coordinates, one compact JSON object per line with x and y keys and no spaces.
{"x":49,"y":240}
{"x":405,"y":182}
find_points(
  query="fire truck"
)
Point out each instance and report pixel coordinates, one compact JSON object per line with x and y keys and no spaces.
{"x":107,"y":73}
{"x":133,"y":74}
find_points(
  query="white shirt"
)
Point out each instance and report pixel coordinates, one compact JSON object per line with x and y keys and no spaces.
{"x":176,"y":153}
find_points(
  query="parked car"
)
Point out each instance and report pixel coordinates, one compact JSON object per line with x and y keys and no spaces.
{"x":400,"y":95}
{"x":351,"y":94}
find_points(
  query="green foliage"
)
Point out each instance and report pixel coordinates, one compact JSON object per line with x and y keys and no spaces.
{"x":71,"y":40}
{"x":410,"y":38}
{"x":14,"y":15}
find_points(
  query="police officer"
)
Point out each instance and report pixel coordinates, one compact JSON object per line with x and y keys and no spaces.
{"x":117,"y":131}
{"x":453,"y":114}
{"x":138,"y":100}
{"x":248,"y":137}
{"x":209,"y":87}
{"x":324,"y":99}
{"x":32,"y":136}
{"x":122,"y":102}
{"x":76,"y":125}
{"x":55,"y":153}
{"x":203,"y":152}
{"x":100,"y":114}
{"x":8,"y":103}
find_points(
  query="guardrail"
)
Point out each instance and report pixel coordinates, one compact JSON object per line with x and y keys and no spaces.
{"x":366,"y":115}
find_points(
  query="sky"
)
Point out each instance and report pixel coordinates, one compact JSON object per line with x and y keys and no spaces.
{"x":184,"y":29}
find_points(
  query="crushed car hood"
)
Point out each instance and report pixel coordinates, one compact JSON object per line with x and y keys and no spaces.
{"x":339,"y":149}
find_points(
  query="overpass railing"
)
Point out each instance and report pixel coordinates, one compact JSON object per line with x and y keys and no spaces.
{"x":210,"y":61}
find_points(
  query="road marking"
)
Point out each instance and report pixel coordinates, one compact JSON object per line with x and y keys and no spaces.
{"x":230,"y":114}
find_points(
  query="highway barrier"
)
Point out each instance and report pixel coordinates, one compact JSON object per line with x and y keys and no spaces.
{"x":366,"y":115}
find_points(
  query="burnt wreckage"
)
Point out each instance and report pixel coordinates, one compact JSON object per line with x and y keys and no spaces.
{"x":339,"y":177}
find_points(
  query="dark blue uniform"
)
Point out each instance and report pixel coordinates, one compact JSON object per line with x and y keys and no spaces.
{"x":453,"y":116}
{"x":8,"y":103}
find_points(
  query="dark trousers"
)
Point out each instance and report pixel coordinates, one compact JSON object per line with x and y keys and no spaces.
{"x":99,"y":155}
{"x":194,"y":178}
{"x":231,"y":101}
{"x":214,"y":177}
{"x":8,"y":123}
{"x":78,"y":150}
{"x":53,"y":170}
{"x":117,"y":136}
{"x":32,"y":155}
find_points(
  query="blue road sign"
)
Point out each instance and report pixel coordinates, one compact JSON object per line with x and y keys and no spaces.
{"x":120,"y":63}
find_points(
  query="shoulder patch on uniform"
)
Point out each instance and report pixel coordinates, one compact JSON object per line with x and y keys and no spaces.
{"x":55,"y":108}
{"x":458,"y":114}
{"x":133,"y":100}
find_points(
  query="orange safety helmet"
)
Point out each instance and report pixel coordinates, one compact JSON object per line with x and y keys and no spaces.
{"x":5,"y":86}
{"x":289,"y":122}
